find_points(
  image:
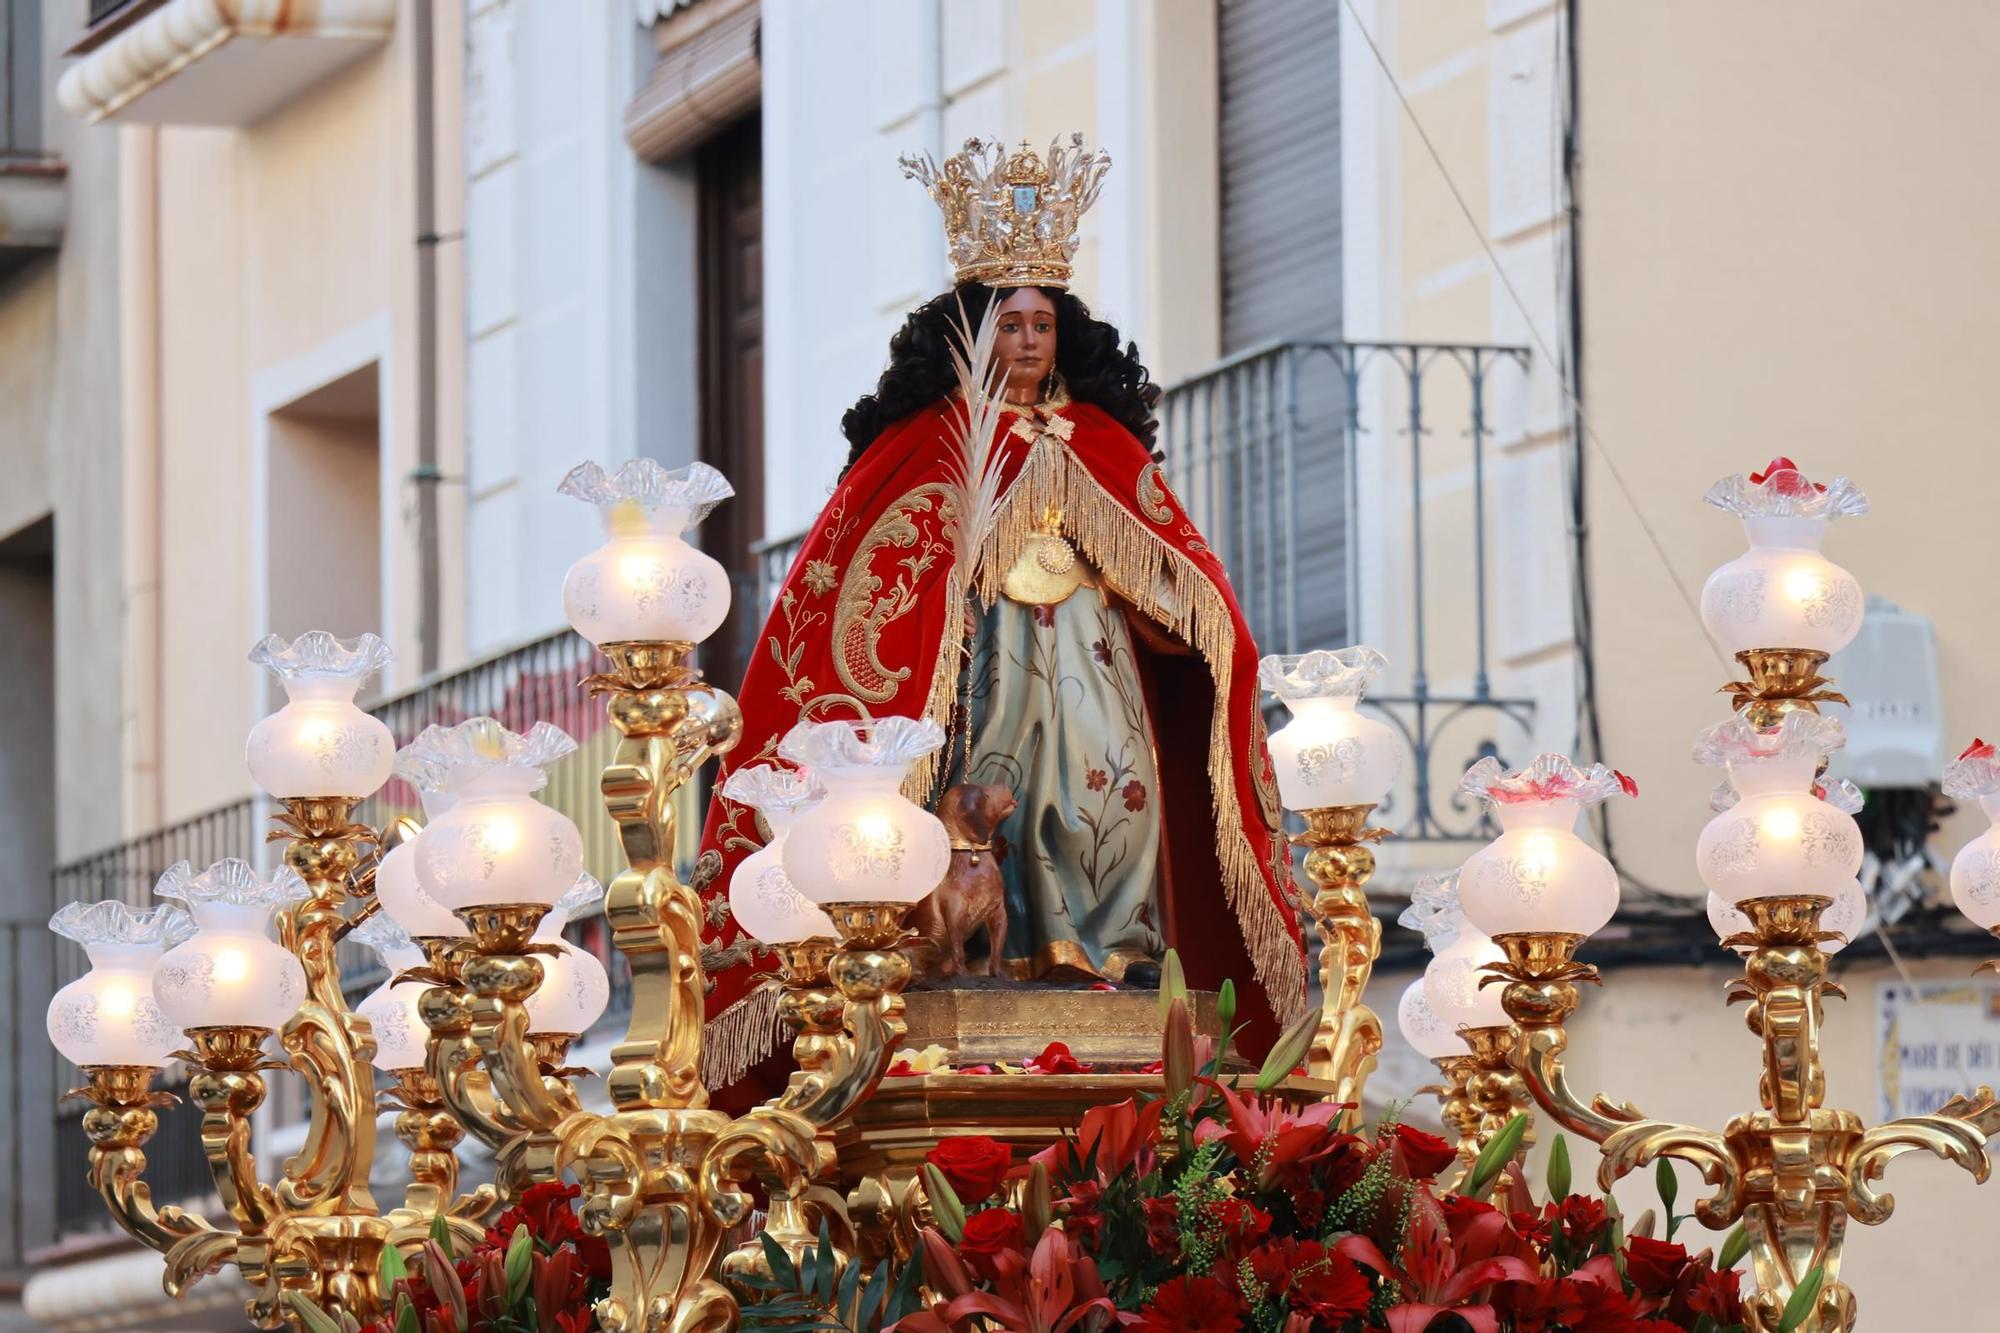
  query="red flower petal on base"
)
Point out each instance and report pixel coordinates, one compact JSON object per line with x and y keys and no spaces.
{"x":1977,"y":750}
{"x":1056,"y":1059}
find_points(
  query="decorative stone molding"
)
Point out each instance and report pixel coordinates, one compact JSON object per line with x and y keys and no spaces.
{"x":221,"y":62}
{"x":708,"y":73}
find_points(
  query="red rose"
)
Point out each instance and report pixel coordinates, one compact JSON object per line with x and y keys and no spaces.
{"x":1654,"y":1265}
{"x":973,"y":1165}
{"x":1056,"y":1059}
{"x":991,"y":1230}
{"x":1191,"y":1305}
{"x":1423,"y":1155}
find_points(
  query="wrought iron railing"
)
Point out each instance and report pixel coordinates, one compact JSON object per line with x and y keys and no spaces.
{"x":1264,"y":450}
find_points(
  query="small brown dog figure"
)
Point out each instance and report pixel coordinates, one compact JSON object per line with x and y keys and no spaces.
{"x":972,"y":894}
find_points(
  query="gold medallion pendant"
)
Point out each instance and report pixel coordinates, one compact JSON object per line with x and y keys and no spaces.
{"x":1048,"y":569}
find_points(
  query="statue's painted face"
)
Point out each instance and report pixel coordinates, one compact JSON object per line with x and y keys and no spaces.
{"x":1026,"y":346}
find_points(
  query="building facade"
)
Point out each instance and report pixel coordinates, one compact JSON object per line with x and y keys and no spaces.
{"x":302,"y":328}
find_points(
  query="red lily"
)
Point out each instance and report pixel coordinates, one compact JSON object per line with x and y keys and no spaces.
{"x":1123,"y":1135}
{"x":1432,"y":1279}
{"x":1265,"y":1135}
{"x":1057,"y":1290}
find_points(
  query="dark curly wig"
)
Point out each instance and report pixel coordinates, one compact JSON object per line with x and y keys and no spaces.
{"x":1089,"y":357}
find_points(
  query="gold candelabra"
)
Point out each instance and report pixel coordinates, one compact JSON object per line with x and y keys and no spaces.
{"x":317,"y":1233}
{"x":1339,"y":861}
{"x":1794,"y":1172}
{"x":1481,"y":1093}
{"x":663,"y":1173}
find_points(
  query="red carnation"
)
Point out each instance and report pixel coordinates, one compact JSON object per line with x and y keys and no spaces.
{"x":1191,"y":1305}
{"x":972,"y":1164}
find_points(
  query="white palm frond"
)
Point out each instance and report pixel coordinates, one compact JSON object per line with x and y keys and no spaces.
{"x":973,"y":469}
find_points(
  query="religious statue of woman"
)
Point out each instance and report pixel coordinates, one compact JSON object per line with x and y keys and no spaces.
{"x":1085,"y":650}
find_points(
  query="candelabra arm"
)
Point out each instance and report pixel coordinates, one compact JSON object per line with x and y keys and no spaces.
{"x":1339,"y":863}
{"x":454,"y":1066}
{"x":432,"y":1135}
{"x":1957,"y":1132}
{"x":500,"y":976}
{"x":671,"y":724}
{"x":122,"y":1120}
{"x":1541,"y":975}
{"x":330,"y":1047}
{"x":229,"y":1088}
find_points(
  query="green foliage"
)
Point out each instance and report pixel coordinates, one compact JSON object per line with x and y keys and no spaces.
{"x":1289,"y":1053}
{"x":1734,"y":1246}
{"x":1559,"y":1168}
{"x":824,"y":1294}
{"x":1800,"y":1307}
{"x":1196,"y":1191}
{"x":317,"y":1320}
{"x":441,"y":1236}
{"x":393,"y":1268}
{"x":945,"y":1205}
{"x":1499,"y":1150}
{"x":1173,"y":982}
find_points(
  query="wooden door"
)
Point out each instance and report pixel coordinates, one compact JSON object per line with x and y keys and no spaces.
{"x":729,"y":169}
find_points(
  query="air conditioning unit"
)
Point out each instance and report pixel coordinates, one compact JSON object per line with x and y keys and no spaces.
{"x":1895,"y":727}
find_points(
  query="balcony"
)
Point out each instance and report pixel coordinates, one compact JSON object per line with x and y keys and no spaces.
{"x":213,"y":62}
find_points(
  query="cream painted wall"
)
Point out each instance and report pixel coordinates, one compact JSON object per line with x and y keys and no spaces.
{"x":1780,"y":260}
{"x":1479,"y":80}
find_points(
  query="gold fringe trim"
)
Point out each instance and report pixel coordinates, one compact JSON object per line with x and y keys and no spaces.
{"x":1139,"y":564}
{"x":740,"y":1036}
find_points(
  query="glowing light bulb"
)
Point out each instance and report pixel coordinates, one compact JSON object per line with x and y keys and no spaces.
{"x":1804,"y":587}
{"x":1781,"y":825}
{"x":231,"y":966}
{"x":118,"y":1000}
{"x":878,"y":829}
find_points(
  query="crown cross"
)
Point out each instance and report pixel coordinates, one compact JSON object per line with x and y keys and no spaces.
{"x":1010,"y":220}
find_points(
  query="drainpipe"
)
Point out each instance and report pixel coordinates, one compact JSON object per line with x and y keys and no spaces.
{"x":139,"y":371}
{"x":426,"y":475}
{"x":930,"y":112}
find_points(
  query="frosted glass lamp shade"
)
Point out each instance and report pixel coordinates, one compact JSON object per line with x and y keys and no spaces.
{"x":765,"y":904}
{"x":761,"y":897}
{"x":391,"y":1008}
{"x":1423,"y":1029}
{"x":107,"y":1016}
{"x":574,"y":992}
{"x":1975,"y":873}
{"x":865,"y":842}
{"x":1538,"y":875}
{"x":1777,"y":844}
{"x":1726,"y":919}
{"x":1451,"y":983}
{"x":320,"y":743}
{"x":496,"y":845}
{"x":231,"y":973}
{"x":1782,"y":593}
{"x":1329,"y":753}
{"x":647,"y":583}
{"x":575,"y":989}
{"x":406,"y":901}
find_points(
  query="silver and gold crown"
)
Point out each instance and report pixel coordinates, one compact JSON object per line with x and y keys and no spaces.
{"x":1011,"y":219}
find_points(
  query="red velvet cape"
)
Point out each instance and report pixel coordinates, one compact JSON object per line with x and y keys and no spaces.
{"x":873,"y":620}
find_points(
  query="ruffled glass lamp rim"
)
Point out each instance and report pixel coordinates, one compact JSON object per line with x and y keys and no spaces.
{"x":320,"y":655}
{"x":1342,"y":673}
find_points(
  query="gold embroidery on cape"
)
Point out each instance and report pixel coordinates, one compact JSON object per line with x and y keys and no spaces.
{"x":1261,"y":774}
{"x":864,"y":609}
{"x":1154,"y":495}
